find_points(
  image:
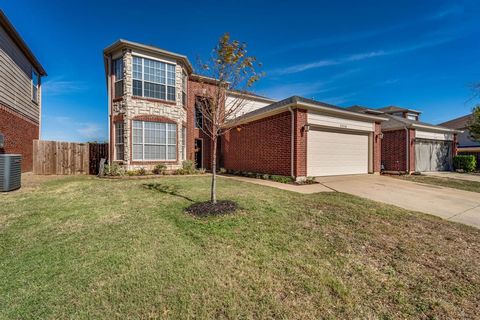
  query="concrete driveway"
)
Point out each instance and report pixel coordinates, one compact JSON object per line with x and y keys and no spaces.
{"x":451,"y":204}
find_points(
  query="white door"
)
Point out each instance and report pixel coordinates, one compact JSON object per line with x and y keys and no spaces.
{"x":336,"y":153}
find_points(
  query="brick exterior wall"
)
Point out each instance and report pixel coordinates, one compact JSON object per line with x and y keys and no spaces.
{"x":394,"y":157}
{"x":261,"y":146}
{"x":394,"y":150}
{"x":19,"y":134}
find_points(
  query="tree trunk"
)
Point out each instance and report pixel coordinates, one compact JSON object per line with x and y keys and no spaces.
{"x":213,"y":191}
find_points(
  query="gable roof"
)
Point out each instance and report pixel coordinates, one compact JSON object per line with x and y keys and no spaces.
{"x":121,"y":43}
{"x":13,"y":33}
{"x":457,"y":123}
{"x":296,"y":102}
{"x":396,"y":122}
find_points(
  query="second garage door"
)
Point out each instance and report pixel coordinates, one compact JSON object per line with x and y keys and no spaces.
{"x":433,"y":155}
{"x":336,"y":153}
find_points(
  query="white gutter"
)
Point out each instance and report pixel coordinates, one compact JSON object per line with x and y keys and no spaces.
{"x":434,"y":128}
{"x":292,"y":156}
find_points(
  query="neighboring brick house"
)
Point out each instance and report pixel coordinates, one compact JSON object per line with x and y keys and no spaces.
{"x":409,"y":145}
{"x":466,"y":145}
{"x":20,"y":94}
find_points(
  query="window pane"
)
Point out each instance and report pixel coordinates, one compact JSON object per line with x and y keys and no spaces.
{"x":137,"y":68}
{"x":172,"y":152}
{"x":119,"y":89}
{"x":171,"y":93}
{"x":137,"y":151}
{"x":119,"y":152}
{"x":170,"y":74}
{"x":137,"y":136}
{"x":118,"y":68}
{"x":137,"y":88}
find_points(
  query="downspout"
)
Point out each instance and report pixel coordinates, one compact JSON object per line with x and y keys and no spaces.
{"x":292,"y":155}
{"x":109,"y":94}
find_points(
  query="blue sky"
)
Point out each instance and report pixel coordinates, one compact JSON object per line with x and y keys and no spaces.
{"x":417,"y":54}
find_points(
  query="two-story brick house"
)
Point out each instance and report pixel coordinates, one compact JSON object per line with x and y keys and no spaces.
{"x":152,"y":95}
{"x":20,"y":94}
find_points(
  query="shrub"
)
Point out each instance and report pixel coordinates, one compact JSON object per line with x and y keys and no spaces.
{"x":222,"y":170}
{"x":201,"y":171}
{"x":266,"y":177}
{"x":141,"y":171}
{"x":137,"y":172}
{"x":114,"y":170}
{"x":281,"y":179}
{"x":188,"y":167}
{"x":465,"y":163}
{"x":160,"y":168}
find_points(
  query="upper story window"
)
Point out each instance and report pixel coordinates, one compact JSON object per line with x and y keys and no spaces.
{"x":412,"y":116}
{"x":118,"y":72}
{"x":35,"y":86}
{"x":184,"y":89}
{"x":198,"y":117}
{"x":153,"y":79}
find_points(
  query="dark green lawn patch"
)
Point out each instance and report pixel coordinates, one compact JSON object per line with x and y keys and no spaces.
{"x":466,"y":185}
{"x":87,"y":248}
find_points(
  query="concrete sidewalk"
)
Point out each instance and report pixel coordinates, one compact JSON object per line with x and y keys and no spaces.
{"x":454,"y":175}
{"x":305,"y":189}
{"x":451,"y":204}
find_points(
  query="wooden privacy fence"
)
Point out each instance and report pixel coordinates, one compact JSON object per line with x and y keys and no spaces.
{"x":66,"y":158}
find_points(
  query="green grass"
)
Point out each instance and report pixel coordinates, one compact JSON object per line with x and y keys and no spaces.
{"x":87,"y":248}
{"x":473,"y":186}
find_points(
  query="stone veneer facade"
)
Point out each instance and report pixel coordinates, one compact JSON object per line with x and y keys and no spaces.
{"x":129,"y":107}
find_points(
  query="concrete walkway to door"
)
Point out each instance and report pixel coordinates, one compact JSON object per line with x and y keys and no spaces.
{"x":451,"y":204}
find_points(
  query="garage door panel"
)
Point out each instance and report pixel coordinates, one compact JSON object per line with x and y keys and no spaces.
{"x":433,"y":155}
{"x":336,"y":153}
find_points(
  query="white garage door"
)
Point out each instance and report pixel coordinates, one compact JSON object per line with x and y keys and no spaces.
{"x":335,"y":153}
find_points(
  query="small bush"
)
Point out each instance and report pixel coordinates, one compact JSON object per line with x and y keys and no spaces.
{"x":141,"y":171}
{"x":160,"y":168}
{"x":281,"y":179}
{"x":201,"y":171}
{"x":465,"y":163}
{"x":222,"y":170}
{"x":137,"y":172}
{"x":114,"y":170}
{"x":266,"y":177}
{"x":188,"y":167}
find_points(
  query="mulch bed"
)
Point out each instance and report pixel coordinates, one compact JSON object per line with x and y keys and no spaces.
{"x":203,"y":209}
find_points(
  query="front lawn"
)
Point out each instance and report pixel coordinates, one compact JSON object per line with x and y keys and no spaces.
{"x":81,"y":247}
{"x":473,"y":186}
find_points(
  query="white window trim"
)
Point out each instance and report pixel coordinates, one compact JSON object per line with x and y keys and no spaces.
{"x":166,"y":78}
{"x":166,"y":142}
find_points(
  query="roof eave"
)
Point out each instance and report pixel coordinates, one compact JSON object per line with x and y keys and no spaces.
{"x":121,"y":43}
{"x":308,"y":106}
{"x":12,"y":32}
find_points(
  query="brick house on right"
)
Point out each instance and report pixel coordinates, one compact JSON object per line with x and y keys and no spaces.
{"x":409,"y":145}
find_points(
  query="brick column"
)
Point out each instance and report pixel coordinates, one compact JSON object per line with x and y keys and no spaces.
{"x":411,"y":154}
{"x":300,"y":143}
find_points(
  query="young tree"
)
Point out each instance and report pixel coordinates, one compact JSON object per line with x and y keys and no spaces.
{"x":474,"y":123}
{"x":230,"y":69}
